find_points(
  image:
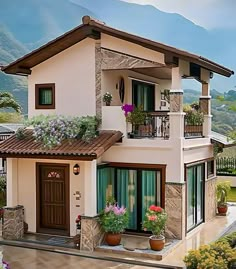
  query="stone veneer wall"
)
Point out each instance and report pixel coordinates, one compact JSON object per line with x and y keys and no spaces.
{"x":98,"y":74}
{"x":91,"y":233}
{"x":13,"y":223}
{"x":210,"y":199}
{"x":175,"y":208}
{"x":176,"y":101}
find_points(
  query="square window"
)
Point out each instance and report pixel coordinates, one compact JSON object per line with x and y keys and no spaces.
{"x":210,"y":168}
{"x":45,"y":96}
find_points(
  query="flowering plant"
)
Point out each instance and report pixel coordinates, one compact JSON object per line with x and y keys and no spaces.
{"x":107,"y":97}
{"x":52,"y":130}
{"x":155,"y":220}
{"x":114,"y":219}
{"x":134,"y":115}
{"x":78,"y":222}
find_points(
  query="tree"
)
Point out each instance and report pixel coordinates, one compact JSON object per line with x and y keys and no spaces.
{"x":7,"y":101}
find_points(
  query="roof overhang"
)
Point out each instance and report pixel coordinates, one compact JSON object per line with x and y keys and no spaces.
{"x":67,"y":150}
{"x":93,"y":29}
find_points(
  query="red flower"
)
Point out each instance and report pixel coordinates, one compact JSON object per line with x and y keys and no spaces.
{"x":155,"y":208}
{"x":158,"y":209}
{"x":152,"y":207}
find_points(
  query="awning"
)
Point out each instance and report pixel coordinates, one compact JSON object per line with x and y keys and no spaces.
{"x":222,"y":140}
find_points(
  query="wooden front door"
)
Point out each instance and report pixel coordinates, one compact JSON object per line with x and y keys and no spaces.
{"x":53,"y":198}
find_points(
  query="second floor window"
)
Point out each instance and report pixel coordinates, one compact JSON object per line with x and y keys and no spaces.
{"x":45,"y":96}
{"x":143,"y":94}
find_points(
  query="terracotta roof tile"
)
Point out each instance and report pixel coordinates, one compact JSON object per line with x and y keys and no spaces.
{"x":76,"y":149}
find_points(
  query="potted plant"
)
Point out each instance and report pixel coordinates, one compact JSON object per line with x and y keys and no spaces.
{"x":222,"y":191}
{"x":134,"y":115}
{"x":193,"y":117}
{"x":114,"y":220}
{"x":107,"y":98}
{"x":155,"y":221}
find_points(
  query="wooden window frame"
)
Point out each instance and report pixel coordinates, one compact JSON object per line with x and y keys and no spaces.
{"x":37,"y":90}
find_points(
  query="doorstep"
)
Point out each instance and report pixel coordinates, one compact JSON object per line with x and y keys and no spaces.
{"x":138,"y":246}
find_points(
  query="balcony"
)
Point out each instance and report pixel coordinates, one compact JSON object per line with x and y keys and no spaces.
{"x":156,"y":125}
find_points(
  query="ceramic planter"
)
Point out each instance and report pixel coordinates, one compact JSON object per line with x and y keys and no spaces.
{"x":113,"y":239}
{"x":222,"y":209}
{"x":157,"y":243}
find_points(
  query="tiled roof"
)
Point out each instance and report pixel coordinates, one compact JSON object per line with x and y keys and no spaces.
{"x":77,"y":149}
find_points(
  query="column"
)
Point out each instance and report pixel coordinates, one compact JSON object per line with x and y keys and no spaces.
{"x":91,"y":232}
{"x":205,"y":107}
{"x":12,"y":182}
{"x":176,"y":105}
{"x":90,"y":189}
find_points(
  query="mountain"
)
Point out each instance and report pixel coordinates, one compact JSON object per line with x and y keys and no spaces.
{"x":35,"y":22}
{"x":10,"y":49}
{"x":30,"y":23}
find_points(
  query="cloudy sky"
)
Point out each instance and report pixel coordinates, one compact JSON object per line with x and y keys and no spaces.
{"x":207,"y":13}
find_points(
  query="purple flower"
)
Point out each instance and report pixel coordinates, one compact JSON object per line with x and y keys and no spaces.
{"x":127,"y":108}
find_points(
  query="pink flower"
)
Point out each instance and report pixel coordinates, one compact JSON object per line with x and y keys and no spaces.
{"x":152,"y":217}
{"x":127,"y":108}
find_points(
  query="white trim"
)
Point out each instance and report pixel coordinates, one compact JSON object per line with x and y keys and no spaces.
{"x":145,"y":81}
{"x":176,"y":91}
{"x":205,"y":97}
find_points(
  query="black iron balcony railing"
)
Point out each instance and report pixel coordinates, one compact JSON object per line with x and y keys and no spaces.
{"x":156,"y":125}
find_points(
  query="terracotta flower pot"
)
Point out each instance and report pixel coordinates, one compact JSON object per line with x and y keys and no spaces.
{"x":222,"y":209}
{"x":157,"y":243}
{"x":113,"y":239}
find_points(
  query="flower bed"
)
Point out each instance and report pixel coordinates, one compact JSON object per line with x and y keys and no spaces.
{"x":218,"y":255}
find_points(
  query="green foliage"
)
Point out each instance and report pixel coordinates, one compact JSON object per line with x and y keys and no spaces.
{"x":137,"y":116}
{"x":155,"y":220}
{"x":3,"y":184}
{"x":218,"y":255}
{"x":7,"y":101}
{"x":232,"y":194}
{"x":52,"y":130}
{"x":193,"y":115}
{"x":222,"y":191}
{"x":230,"y":239}
{"x":6,"y":117}
{"x":114,"y":219}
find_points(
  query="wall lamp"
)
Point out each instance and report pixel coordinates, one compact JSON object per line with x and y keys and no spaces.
{"x":76,"y":169}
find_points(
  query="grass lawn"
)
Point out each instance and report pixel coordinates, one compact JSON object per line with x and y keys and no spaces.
{"x":232,"y":195}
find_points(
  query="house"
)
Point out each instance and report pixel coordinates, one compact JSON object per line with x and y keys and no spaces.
{"x":7,"y":130}
{"x":171,"y":166}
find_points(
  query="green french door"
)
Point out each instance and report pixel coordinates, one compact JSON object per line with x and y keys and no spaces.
{"x":195,"y":196}
{"x":143,"y":94}
{"x":136,"y":189}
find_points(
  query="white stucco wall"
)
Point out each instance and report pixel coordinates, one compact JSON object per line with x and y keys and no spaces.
{"x":24,"y":189}
{"x":110,"y":80}
{"x":73,"y":72}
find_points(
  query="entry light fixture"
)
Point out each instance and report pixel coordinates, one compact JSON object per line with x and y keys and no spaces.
{"x":76,"y":169}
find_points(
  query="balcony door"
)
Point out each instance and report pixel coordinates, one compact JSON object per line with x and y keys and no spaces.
{"x":195,"y":196}
{"x":143,"y":94}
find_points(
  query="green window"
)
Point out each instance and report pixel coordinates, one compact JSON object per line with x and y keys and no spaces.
{"x":45,"y":96}
{"x":143,"y":94}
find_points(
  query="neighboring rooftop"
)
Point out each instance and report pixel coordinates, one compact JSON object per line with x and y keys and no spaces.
{"x":225,"y":141}
{"x":93,"y":28}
